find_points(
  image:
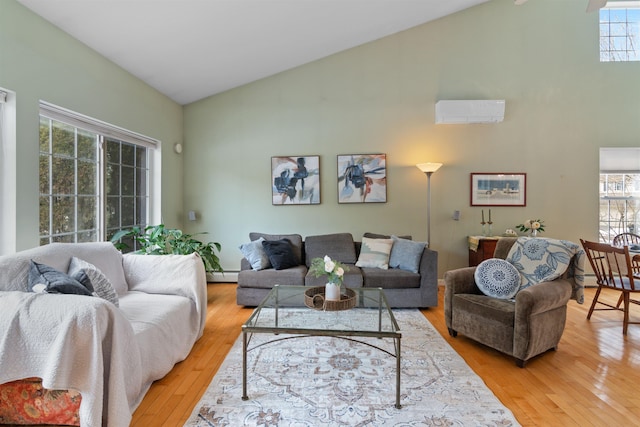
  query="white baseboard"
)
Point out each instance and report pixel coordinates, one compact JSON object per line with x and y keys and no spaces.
{"x":228,"y":276}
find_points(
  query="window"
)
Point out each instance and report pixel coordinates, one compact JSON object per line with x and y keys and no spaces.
{"x":94,"y":178}
{"x":619,"y":190}
{"x":7,"y":172}
{"x":620,"y":32}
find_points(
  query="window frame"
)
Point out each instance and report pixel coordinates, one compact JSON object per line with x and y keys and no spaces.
{"x":106,"y":133}
{"x":610,"y":38}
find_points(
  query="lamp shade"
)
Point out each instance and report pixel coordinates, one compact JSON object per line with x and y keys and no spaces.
{"x":429,"y":167}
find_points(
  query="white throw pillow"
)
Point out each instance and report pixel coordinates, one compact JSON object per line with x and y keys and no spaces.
{"x":256,"y":255}
{"x":101,"y":285}
{"x":497,"y":278}
{"x":375,"y":253}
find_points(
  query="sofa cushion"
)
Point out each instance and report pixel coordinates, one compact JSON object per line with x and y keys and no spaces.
{"x":406,"y":254}
{"x":390,"y":279}
{"x":43,"y":278}
{"x":254,"y":253}
{"x":101,"y":285}
{"x":384,"y":236}
{"x":280,"y":253}
{"x":497,"y":278}
{"x":352,"y":278}
{"x":265,"y":279}
{"x":338,"y":246}
{"x":295,"y":239}
{"x":375,"y":253}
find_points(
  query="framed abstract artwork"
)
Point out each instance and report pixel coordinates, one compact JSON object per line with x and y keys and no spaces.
{"x":362,"y":178}
{"x":295,"y":180}
{"x":498,"y":189}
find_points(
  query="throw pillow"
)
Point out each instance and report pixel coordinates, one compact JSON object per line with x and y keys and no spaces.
{"x":46,"y":279}
{"x":101,"y":285}
{"x":497,"y":278}
{"x":255,"y":254}
{"x":375,"y":253}
{"x":541,"y":259}
{"x":406,"y":254}
{"x":294,"y":239}
{"x":280,"y":253}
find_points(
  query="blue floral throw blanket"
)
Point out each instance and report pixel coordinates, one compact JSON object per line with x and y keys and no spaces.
{"x":541,"y":259}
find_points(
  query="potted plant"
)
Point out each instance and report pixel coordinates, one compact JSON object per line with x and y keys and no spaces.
{"x":334,"y":270}
{"x":159,"y":240}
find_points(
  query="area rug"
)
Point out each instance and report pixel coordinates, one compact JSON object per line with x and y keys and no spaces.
{"x":324,"y":381}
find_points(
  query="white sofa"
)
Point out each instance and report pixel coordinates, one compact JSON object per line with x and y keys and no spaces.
{"x":109,"y":354}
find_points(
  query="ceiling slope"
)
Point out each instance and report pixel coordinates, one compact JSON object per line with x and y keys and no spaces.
{"x":192,"y":49}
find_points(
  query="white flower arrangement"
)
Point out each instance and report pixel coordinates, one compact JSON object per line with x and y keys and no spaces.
{"x":334,"y":270}
{"x":531,"y":224}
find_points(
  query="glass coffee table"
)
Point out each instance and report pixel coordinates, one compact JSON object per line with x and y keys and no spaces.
{"x":371,"y":317}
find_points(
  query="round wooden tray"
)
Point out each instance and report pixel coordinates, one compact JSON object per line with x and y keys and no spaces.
{"x":314,"y":298}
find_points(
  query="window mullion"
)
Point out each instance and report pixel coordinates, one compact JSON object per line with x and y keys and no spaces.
{"x":101,"y":203}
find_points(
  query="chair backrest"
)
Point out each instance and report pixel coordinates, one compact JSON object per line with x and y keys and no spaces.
{"x":626,"y":239}
{"x":611,"y":264}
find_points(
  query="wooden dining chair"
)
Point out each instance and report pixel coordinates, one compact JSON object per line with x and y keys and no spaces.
{"x":626,"y":239}
{"x":613,"y":268}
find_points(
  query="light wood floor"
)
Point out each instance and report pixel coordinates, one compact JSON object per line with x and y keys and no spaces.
{"x":592,"y":380}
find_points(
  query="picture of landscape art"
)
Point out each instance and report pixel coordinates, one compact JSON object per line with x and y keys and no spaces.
{"x":498,"y":189}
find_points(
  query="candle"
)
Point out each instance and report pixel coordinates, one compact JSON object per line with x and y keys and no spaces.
{"x":482,"y":215}
{"x":489,"y":215}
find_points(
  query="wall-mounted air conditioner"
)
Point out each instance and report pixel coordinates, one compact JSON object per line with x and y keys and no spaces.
{"x":470,"y":111}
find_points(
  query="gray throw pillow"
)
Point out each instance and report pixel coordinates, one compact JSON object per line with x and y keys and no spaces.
{"x":101,"y":285}
{"x":406,"y":254}
{"x":46,"y":279}
{"x":280,"y":254}
{"x":255,"y":254}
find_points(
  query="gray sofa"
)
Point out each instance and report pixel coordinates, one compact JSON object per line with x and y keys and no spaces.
{"x":403,"y":288}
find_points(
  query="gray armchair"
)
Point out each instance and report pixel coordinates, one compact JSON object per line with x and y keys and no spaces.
{"x":524,"y":328}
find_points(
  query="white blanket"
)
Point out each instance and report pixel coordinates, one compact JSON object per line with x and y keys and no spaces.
{"x":70,"y":342}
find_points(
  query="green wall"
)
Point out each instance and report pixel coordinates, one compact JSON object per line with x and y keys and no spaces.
{"x":40,"y":62}
{"x":562,"y":104}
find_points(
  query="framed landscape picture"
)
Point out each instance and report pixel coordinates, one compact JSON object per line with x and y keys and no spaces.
{"x":295,"y":180}
{"x":498,"y":189}
{"x":362,"y":178}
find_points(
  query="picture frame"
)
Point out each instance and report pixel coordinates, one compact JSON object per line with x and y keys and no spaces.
{"x":295,"y":180}
{"x":362,"y":178}
{"x":498,"y":189}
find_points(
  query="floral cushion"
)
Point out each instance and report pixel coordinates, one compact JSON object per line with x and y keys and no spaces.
{"x":27,"y":402}
{"x":543,"y":259}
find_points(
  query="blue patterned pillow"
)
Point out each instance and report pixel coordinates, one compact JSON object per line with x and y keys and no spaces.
{"x":497,"y":278}
{"x":541,"y":259}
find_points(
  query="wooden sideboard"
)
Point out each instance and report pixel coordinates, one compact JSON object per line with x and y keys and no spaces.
{"x":481,"y":248}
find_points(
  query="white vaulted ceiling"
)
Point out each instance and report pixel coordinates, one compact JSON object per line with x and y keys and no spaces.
{"x":191,"y":49}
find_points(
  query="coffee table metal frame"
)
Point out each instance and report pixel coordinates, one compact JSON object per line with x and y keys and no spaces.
{"x":372,"y":300}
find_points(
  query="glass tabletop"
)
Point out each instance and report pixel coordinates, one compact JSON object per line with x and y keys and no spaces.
{"x":284,"y":311}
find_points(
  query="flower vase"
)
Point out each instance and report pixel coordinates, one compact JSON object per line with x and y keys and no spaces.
{"x":332,"y":292}
{"x":534,"y":233}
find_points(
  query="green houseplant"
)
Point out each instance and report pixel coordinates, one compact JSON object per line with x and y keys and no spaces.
{"x":159,"y":240}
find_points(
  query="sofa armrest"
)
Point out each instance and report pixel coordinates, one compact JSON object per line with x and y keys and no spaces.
{"x":459,"y":281}
{"x":542,"y":297}
{"x":182,"y":275}
{"x":540,"y":317}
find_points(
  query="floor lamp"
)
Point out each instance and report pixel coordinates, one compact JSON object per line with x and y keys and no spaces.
{"x":429,"y":169}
